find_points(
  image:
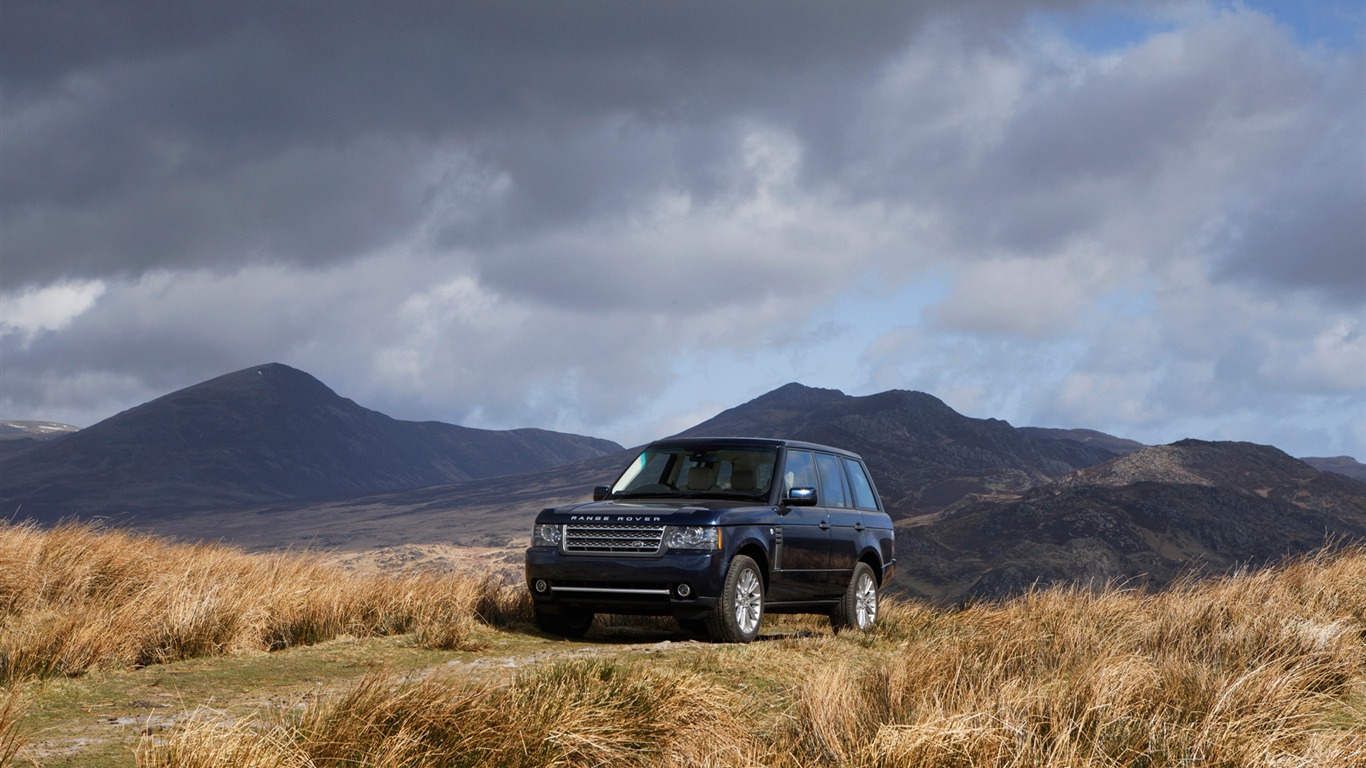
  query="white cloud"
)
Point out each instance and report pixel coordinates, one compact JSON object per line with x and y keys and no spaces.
{"x":1331,"y":360}
{"x":51,"y":308}
{"x":1026,"y":298}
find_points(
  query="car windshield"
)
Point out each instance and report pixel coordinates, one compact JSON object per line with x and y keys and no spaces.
{"x":691,"y":471}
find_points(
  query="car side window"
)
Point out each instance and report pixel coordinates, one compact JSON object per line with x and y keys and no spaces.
{"x":833,"y":493}
{"x":863,"y":489}
{"x":800,"y":471}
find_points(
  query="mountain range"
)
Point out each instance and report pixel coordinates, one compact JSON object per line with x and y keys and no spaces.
{"x":262,"y":434}
{"x":269,"y":457}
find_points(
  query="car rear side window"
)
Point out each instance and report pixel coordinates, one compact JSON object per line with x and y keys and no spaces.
{"x":833,"y":492}
{"x":863,"y":490}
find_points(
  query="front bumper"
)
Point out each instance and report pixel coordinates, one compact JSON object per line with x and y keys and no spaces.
{"x":682,"y":584}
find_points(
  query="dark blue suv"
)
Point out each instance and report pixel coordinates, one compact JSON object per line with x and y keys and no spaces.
{"x":716,"y":532}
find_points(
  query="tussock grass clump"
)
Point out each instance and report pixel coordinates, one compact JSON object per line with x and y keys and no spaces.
{"x":11,"y":740}
{"x":1248,"y":671}
{"x":78,"y":597}
{"x":576,"y":713}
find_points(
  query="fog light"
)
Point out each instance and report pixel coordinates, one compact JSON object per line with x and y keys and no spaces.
{"x":541,"y":586}
{"x":684,"y":590}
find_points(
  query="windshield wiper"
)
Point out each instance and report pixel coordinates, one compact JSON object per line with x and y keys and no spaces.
{"x":737,"y":495}
{"x":645,"y":495}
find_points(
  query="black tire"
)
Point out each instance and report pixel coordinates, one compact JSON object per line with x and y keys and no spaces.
{"x":740,"y":611}
{"x":572,"y":623}
{"x":857,"y":608}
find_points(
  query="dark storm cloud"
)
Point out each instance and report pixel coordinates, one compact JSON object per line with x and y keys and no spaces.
{"x":1309,"y":235}
{"x":139,"y":135}
{"x":1307,"y":228}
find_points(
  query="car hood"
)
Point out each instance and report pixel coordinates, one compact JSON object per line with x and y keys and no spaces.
{"x":649,"y":511}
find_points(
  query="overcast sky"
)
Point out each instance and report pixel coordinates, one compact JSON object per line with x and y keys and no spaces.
{"x":619,"y":218}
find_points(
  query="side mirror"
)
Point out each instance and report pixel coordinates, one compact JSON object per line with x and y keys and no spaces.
{"x":801,"y":497}
{"x":601,"y":492}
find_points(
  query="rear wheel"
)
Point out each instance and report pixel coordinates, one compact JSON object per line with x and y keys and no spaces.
{"x":569,"y":622}
{"x":857,"y":608}
{"x":740,"y":611}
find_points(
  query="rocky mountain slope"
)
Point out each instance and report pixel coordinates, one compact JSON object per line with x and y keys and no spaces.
{"x":1343,"y":465}
{"x":262,"y":434}
{"x":1142,"y":519}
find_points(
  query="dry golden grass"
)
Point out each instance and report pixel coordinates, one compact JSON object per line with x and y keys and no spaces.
{"x":10,"y":738}
{"x":576,"y":713}
{"x":1261,"y":669}
{"x":1264,"y":668}
{"x":78,"y":597}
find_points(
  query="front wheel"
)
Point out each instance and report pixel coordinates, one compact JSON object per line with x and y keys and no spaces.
{"x":857,"y":608}
{"x":567,"y":623}
{"x":738,"y":613}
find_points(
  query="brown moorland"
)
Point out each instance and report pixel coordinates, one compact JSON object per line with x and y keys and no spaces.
{"x":1264,"y":668}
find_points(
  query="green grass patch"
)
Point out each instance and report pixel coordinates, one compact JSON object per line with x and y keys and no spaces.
{"x":98,"y":719}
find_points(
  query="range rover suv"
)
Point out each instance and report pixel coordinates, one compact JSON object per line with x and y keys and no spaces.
{"x":717,"y":532}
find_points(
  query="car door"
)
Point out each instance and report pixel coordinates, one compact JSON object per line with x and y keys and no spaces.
{"x":844,"y":519}
{"x":801,"y":538}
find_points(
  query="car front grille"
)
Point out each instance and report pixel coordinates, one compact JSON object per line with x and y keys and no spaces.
{"x":613,"y":539}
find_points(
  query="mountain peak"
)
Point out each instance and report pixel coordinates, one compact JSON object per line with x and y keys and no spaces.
{"x":269,"y":376}
{"x":794,"y":393}
{"x":795,"y":397}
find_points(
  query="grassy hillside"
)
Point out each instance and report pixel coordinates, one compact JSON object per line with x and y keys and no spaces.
{"x":279,"y":661}
{"x":77,"y":598}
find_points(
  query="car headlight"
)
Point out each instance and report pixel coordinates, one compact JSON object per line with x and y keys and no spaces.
{"x":545,"y":535}
{"x":692,"y":537}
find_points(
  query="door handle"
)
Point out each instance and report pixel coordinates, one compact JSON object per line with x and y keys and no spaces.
{"x":825,"y":526}
{"x":858,"y":526}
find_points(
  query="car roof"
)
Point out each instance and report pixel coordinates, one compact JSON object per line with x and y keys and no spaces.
{"x":773,"y":442}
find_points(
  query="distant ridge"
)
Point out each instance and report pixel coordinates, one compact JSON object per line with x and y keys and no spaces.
{"x":32,"y":430}
{"x":1343,"y":465}
{"x":265,"y":433}
{"x":1087,"y":437}
{"x":17,"y":435}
